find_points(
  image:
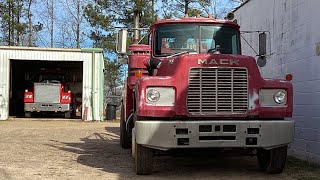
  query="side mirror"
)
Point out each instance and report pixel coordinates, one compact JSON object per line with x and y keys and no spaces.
{"x":121,"y":46}
{"x":230,"y":16}
{"x":262,"y":61}
{"x":262,"y":44}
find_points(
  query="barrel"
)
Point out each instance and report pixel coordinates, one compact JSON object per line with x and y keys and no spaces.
{"x":111,"y":112}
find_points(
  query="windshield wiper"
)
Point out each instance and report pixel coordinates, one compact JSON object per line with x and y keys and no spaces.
{"x":177,"y":54}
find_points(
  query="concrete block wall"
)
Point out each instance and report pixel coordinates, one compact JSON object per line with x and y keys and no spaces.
{"x":294,"y":47}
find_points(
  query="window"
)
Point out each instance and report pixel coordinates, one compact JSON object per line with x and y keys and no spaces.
{"x":176,"y":38}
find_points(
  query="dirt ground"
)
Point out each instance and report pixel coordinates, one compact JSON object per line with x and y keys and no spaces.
{"x":59,"y":149}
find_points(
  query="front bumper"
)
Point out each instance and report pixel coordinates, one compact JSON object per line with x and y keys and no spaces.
{"x":205,"y":134}
{"x":40,"y":107}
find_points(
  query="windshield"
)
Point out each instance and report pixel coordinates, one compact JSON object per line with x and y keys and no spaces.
{"x":52,"y":78}
{"x":196,"y":39}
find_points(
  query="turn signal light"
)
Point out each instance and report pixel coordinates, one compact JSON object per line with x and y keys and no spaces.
{"x":289,"y":77}
{"x":138,"y":73}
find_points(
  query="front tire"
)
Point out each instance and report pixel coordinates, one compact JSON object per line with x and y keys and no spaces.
{"x":67,"y":115}
{"x":143,"y":159}
{"x":28,"y":114}
{"x":272,"y":161}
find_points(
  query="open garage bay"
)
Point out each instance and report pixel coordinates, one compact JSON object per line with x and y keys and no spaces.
{"x":26,"y":72}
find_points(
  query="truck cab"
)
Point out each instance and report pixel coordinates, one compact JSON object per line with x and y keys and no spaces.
{"x":190,"y":87}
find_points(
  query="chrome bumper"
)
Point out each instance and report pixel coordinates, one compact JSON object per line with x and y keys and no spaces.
{"x":54,"y":107}
{"x":201,"y":134}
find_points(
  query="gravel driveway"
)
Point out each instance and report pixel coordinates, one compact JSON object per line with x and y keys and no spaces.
{"x":59,"y":149}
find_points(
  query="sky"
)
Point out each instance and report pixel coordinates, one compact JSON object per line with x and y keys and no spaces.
{"x":63,"y":20}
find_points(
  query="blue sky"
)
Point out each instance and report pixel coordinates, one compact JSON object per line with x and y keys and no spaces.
{"x":61,"y":16}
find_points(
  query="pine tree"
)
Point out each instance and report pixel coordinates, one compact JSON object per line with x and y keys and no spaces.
{"x":16,"y":24}
{"x":105,"y":15}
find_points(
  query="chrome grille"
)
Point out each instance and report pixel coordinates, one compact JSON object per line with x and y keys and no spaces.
{"x":218,"y":91}
{"x":46,"y":93}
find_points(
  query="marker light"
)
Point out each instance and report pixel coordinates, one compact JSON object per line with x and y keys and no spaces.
{"x":289,"y":77}
{"x":138,"y":73}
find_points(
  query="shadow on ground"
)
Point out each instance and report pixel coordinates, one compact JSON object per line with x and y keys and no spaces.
{"x":102,"y":151}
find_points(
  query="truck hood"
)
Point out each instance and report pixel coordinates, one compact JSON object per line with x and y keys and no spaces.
{"x":174,"y":72}
{"x":180,"y":65}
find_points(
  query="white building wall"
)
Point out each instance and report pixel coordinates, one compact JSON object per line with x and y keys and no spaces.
{"x":294,"y":46}
{"x":92,"y":90}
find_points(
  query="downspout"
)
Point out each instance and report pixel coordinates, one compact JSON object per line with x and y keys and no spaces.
{"x":93,"y":84}
{"x":101,"y":75}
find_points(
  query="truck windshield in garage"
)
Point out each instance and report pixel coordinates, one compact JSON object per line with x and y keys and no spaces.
{"x":196,"y":39}
{"x":52,"y":78}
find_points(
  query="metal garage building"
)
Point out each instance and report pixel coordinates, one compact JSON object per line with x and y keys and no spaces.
{"x":294,"y":47}
{"x":87,"y":66}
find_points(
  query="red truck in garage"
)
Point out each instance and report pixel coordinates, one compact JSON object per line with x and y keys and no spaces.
{"x":48,"y":96}
{"x":190,"y":87}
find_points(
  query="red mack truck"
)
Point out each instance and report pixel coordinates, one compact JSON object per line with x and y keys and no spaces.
{"x":189,"y":87}
{"x":47,"y":96}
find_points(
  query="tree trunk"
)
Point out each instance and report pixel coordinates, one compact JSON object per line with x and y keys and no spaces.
{"x":10,"y":24}
{"x":78,"y":24}
{"x":152,"y":11}
{"x":29,"y":24}
{"x":215,"y":8}
{"x":51,"y":15}
{"x":18,"y":23}
{"x":186,"y":6}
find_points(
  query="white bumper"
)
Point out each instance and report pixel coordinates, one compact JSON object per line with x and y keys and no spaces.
{"x":201,"y":134}
{"x":46,"y":107}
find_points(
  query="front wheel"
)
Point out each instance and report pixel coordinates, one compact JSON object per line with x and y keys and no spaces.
{"x":67,"y":115}
{"x":143,"y":158}
{"x":272,"y":161}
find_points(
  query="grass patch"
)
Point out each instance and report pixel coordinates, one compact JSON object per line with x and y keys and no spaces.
{"x":302,"y":170}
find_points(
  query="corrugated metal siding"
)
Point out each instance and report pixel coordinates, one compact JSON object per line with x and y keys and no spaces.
{"x":4,"y":86}
{"x":92,"y":97}
{"x":295,"y":47}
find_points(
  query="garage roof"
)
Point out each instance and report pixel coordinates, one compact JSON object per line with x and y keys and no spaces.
{"x":52,"y":49}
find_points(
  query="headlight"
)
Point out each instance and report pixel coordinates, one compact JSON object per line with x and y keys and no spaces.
{"x":273,"y":97}
{"x":160,"y":96}
{"x":153,"y":95}
{"x":279,"y":97}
